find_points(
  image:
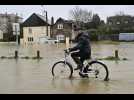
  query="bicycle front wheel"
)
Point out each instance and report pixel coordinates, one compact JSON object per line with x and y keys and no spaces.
{"x":62,"y":69}
{"x":99,"y":70}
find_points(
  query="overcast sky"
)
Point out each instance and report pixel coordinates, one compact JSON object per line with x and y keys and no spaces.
{"x":63,"y":10}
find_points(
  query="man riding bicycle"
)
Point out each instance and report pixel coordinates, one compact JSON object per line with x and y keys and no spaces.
{"x":83,"y":51}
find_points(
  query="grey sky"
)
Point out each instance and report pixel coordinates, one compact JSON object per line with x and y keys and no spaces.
{"x":63,"y":10}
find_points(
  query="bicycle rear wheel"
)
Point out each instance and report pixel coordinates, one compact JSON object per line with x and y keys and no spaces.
{"x":99,"y":70}
{"x":62,"y":70}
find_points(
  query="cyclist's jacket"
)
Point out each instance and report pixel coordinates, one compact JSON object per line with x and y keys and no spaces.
{"x":83,"y":45}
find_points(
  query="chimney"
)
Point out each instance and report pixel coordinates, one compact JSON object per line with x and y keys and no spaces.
{"x":52,"y":20}
{"x":52,"y":23}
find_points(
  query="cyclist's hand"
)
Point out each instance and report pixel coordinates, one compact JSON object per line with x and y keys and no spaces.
{"x":67,"y":51}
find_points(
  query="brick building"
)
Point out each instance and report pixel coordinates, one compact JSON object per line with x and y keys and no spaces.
{"x":63,"y":28}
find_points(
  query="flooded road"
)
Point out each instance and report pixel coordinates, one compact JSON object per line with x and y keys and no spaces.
{"x":34,"y":76}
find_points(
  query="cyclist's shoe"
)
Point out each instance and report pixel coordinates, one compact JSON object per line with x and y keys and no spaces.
{"x":83,"y":75}
{"x":85,"y":70}
{"x":89,"y":70}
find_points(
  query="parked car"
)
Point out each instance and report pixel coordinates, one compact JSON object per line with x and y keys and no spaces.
{"x":48,"y":40}
{"x":51,"y":41}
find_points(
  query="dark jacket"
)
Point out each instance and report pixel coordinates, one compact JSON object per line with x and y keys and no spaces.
{"x":83,"y":45}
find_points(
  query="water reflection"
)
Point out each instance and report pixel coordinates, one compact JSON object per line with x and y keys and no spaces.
{"x":63,"y":82}
{"x":81,"y":86}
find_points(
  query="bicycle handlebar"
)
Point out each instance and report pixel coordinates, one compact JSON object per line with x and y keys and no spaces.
{"x":66,"y":51}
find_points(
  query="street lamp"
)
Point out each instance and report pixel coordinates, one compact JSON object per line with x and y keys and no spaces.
{"x":44,"y":11}
{"x":46,"y":22}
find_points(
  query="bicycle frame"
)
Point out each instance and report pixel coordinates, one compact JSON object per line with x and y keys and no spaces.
{"x":65,"y":57}
{"x":67,"y":54}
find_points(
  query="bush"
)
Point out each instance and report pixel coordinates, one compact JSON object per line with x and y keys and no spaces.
{"x":94,"y":37}
{"x":93,"y":34}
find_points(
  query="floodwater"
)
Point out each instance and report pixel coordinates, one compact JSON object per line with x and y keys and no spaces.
{"x":34,"y":76}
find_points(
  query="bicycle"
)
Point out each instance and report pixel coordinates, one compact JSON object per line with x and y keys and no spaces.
{"x":93,"y":67}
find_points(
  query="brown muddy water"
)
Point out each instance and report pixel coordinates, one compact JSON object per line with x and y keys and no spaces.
{"x":34,"y":76}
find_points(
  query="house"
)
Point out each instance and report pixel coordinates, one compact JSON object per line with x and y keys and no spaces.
{"x":121,"y":23}
{"x":63,"y":28}
{"x":6,"y":21}
{"x":35,"y":28}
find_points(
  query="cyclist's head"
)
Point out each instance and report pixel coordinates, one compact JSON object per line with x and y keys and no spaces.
{"x":78,"y":36}
{"x":86,"y":34}
{"x":83,"y":34}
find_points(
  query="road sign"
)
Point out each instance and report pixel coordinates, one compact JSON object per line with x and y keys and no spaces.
{"x":16,"y":31}
{"x":16,"y":28}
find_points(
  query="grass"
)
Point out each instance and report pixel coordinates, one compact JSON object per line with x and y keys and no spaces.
{"x":3,"y":57}
{"x":26,"y":57}
{"x":111,"y":58}
{"x":36,"y":58}
{"x":109,"y":42}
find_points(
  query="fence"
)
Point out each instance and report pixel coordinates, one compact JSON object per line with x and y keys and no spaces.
{"x":113,"y":37}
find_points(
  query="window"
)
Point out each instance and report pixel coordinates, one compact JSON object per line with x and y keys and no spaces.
{"x":30,"y":30}
{"x":60,"y":37}
{"x":60,"y":26}
{"x":30,"y":39}
{"x":118,"y":23}
{"x":126,"y":22}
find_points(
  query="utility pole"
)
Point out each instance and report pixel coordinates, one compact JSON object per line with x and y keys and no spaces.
{"x":16,"y":35}
{"x":47,"y":23}
{"x":46,"y":16}
{"x":52,"y":23}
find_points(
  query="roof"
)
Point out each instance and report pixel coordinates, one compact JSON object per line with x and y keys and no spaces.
{"x":65,"y":21}
{"x":35,"y":20}
{"x":120,"y":16}
{"x":43,"y":18}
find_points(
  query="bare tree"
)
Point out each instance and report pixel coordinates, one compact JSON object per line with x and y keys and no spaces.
{"x":120,"y":13}
{"x":79,"y":14}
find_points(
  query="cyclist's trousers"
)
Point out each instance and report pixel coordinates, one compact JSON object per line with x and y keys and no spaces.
{"x":79,"y":58}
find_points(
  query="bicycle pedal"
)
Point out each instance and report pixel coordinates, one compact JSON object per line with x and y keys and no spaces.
{"x":89,"y":70}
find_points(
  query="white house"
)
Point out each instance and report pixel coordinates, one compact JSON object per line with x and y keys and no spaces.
{"x":1,"y":34}
{"x":35,"y":28}
{"x":126,"y":36}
